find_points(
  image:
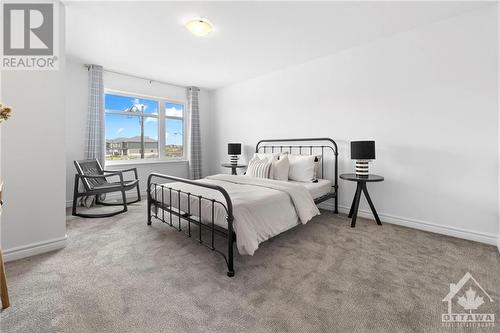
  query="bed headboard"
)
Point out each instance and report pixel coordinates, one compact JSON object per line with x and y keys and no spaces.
{"x":308,"y":146}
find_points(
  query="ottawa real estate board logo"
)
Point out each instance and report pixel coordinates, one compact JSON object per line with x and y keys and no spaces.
{"x":29,"y":35}
{"x":469,"y":305}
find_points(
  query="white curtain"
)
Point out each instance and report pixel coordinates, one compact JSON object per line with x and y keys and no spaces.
{"x":195,"y":138}
{"x":94,"y":144}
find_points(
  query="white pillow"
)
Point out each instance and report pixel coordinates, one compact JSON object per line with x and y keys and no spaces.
{"x":280,"y":169}
{"x":269,"y":156}
{"x":301,"y":168}
{"x":317,"y":163}
{"x":317,"y":166}
{"x":259,"y":168}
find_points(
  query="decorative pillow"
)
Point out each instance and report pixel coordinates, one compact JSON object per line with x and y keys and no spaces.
{"x":259,"y":168}
{"x":301,"y":168}
{"x":317,"y":166}
{"x":280,"y":169}
{"x":270,"y":156}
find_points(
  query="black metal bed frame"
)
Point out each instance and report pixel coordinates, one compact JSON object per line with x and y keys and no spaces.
{"x":193,"y":215}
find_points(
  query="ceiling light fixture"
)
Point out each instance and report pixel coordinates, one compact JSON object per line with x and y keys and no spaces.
{"x":199,"y":27}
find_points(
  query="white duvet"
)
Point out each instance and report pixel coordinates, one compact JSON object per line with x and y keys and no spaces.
{"x":262,"y":208}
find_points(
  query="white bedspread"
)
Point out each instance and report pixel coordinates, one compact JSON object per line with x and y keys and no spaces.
{"x":262,"y":208}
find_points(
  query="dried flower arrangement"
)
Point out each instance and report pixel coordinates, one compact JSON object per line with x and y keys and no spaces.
{"x":5,"y":113}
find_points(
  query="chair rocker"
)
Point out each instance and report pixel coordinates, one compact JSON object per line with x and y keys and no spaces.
{"x":95,"y":183}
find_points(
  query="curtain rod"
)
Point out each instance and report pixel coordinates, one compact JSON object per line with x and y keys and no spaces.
{"x":138,"y":77}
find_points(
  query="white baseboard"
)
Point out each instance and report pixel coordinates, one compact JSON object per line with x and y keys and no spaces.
{"x":422,"y":225}
{"x":34,"y":249}
{"x":111,"y":196}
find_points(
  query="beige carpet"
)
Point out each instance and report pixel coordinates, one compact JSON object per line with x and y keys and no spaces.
{"x":119,"y":275}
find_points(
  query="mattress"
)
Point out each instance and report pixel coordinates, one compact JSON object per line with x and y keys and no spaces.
{"x":317,"y":190}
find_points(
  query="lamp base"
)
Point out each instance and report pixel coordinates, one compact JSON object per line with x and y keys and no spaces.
{"x":233,"y":160}
{"x":362,"y":168}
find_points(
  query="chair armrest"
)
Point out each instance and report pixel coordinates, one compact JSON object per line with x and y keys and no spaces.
{"x":125,"y":170}
{"x":110,"y":174}
{"x":101,"y":176}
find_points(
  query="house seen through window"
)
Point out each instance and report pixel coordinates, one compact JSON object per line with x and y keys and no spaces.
{"x":137,"y":127}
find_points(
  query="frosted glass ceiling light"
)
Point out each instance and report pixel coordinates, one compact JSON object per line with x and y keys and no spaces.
{"x":199,"y":27}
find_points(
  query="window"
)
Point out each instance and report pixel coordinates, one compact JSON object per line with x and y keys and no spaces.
{"x":135,"y":129}
{"x":174,"y":125}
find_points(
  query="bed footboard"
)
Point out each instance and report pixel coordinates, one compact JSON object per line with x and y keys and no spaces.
{"x":161,"y":208}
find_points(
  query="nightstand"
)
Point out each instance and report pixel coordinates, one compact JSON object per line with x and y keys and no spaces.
{"x":361,"y":180}
{"x":234,"y":167}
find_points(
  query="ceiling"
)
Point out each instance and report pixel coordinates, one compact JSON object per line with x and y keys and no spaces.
{"x":250,"y":38}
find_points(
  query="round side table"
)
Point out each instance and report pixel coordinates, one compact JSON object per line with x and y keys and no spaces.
{"x":233,"y":167}
{"x":361,"y":180}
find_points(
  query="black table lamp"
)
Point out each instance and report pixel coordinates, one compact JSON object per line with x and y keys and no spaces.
{"x":234,"y":149}
{"x":363,"y":152}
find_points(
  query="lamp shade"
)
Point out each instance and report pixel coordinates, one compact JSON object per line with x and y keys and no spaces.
{"x":234,"y":148}
{"x":362,"y":150}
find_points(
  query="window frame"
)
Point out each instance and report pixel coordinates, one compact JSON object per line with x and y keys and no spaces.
{"x":161,"y":117}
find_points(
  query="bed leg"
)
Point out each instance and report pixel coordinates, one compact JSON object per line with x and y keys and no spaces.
{"x":230,"y":241}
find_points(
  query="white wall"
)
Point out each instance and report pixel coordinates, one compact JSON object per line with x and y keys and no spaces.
{"x":498,"y":82}
{"x":76,"y":109}
{"x":429,"y":97}
{"x":33,"y":217}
